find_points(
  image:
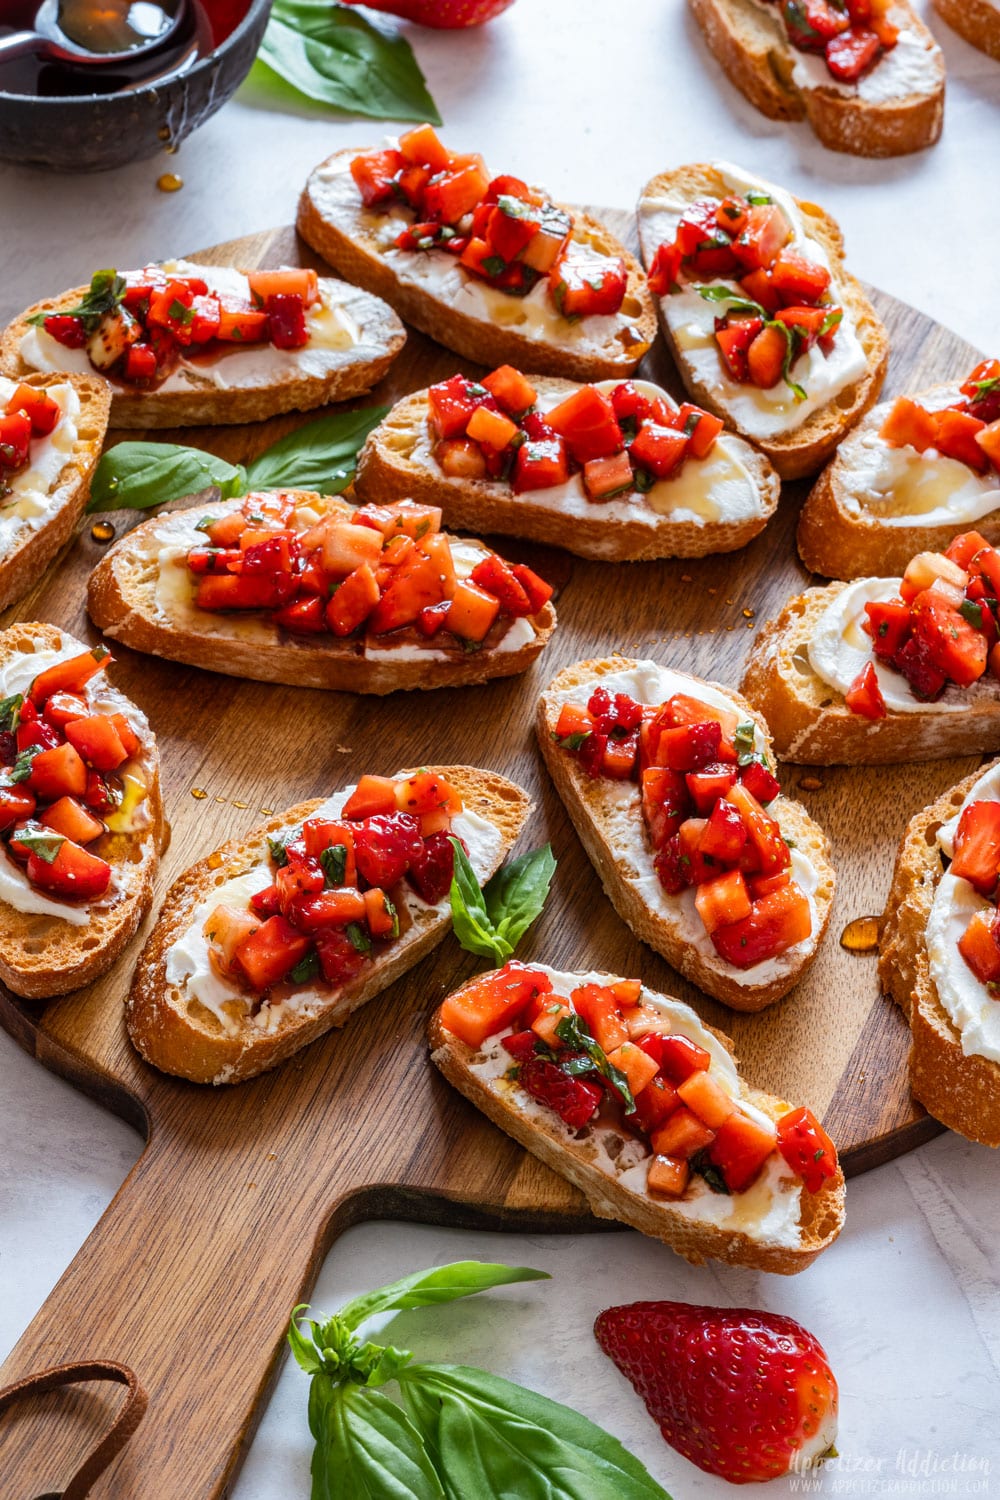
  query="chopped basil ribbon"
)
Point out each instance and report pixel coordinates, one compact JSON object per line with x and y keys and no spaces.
{"x":105,"y":292}
{"x":41,"y":841}
{"x":492,"y":920}
{"x":10,"y":712}
{"x":969,"y":609}
{"x":454,"y":1432}
{"x":307,"y":968}
{"x":334,"y":863}
{"x":21,"y":769}
{"x":572,"y":1032}
{"x":745,"y":741}
{"x":358,"y":938}
{"x":276,"y":846}
{"x":793,"y":336}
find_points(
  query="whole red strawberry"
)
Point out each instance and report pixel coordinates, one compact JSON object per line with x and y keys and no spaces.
{"x":743,"y":1394}
{"x":446,"y":15}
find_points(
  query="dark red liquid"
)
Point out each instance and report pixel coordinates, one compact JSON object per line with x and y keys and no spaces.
{"x":208,"y":24}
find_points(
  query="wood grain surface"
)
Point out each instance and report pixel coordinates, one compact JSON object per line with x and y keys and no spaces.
{"x":220,"y":1228}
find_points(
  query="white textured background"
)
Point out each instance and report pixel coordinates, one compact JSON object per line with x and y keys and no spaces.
{"x":590,"y":98}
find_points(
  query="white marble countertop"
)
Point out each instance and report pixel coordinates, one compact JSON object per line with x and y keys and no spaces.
{"x":906,"y":1302}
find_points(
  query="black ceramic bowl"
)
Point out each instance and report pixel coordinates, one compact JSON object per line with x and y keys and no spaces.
{"x":91,"y":132}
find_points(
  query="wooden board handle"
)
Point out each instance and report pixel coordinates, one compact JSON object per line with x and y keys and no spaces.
{"x":184,"y":1268}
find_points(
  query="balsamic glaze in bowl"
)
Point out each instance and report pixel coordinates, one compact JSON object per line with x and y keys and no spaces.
{"x":88,"y":120}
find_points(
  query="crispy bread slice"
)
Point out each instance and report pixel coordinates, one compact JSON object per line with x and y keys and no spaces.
{"x":295,"y":386}
{"x":807,"y":447}
{"x":43,"y":955}
{"x":573,"y":1155}
{"x":32,"y":547}
{"x":811,"y":723}
{"x":976,"y":20}
{"x":621,"y":877}
{"x":126,"y":600}
{"x":751,"y":45}
{"x":347,"y":237}
{"x":396,"y":461}
{"x":180,"y":1035}
{"x":840,"y":532}
{"x":963,"y":1092}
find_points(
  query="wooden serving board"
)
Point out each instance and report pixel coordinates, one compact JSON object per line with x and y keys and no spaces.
{"x":222,"y":1225}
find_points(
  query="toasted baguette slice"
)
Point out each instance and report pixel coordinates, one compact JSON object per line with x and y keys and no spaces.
{"x":594,"y":1159}
{"x":843,"y":527}
{"x":897,"y":107}
{"x":811,"y":723}
{"x":398,"y":460}
{"x":612,"y":831}
{"x":179,"y":1034}
{"x":47,"y":499}
{"x":137,"y":595}
{"x":978,"y":21}
{"x":355,"y":241}
{"x":808,"y":442}
{"x":41,"y":952}
{"x":961,"y":1090}
{"x":240,"y":384}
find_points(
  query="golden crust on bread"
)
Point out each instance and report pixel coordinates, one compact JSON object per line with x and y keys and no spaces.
{"x":382,"y":336}
{"x":41,"y":955}
{"x":976,"y":20}
{"x":961,"y":1091}
{"x":33,"y":550}
{"x":581,"y":797}
{"x":180,"y":1036}
{"x":122,"y":601}
{"x":544,"y":1135}
{"x":753,"y":50}
{"x":359,"y":258}
{"x":811,"y":723}
{"x":809,"y":446}
{"x":838,"y":542}
{"x":387,"y":470}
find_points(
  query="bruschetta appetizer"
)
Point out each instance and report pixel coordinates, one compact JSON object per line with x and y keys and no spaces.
{"x":910,"y":474}
{"x":81,"y":821}
{"x":51,"y":431}
{"x":629,"y":1095}
{"x":277,"y":937}
{"x":616,"y":470}
{"x":767,"y":327}
{"x":886,"y":669}
{"x":940,"y":954}
{"x":670,"y":785}
{"x":867,"y":74}
{"x":486,"y":265}
{"x":978,"y":21}
{"x":182,"y":344}
{"x":306,"y":589}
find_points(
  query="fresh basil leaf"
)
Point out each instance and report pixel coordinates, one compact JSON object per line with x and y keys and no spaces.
{"x":490,"y":1437}
{"x":10,"y":712}
{"x":334,"y":55}
{"x":137,"y":476}
{"x":301,"y":1345}
{"x":367,"y":1448}
{"x":793,"y":344}
{"x":358,"y":938}
{"x":106,"y":290}
{"x":321,"y":455}
{"x":462,"y":1278}
{"x":469,"y":916}
{"x":517,"y":892}
{"x":276,"y":846}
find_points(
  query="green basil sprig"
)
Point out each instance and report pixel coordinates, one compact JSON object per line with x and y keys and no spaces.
{"x":456,"y":1432}
{"x":320,"y":455}
{"x":492,"y":920}
{"x":332,"y":54}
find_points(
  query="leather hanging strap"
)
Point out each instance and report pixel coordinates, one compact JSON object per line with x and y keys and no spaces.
{"x":117,"y":1435}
